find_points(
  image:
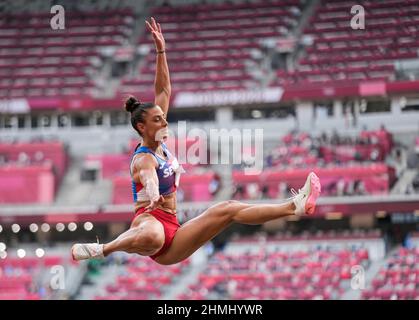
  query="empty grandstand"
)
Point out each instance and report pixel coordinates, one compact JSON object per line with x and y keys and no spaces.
{"x":313,"y":93}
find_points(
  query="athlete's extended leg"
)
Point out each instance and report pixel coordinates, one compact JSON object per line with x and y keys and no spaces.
{"x":196,"y":232}
{"x":145,"y":237}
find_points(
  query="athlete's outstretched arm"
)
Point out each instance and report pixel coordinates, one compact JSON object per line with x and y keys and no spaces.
{"x":162,"y":87}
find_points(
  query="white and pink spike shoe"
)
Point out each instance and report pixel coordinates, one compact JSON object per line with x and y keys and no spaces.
{"x":306,"y":197}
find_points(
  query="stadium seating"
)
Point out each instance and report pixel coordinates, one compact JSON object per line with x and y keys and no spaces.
{"x":307,"y":272}
{"x":398,"y":279}
{"x":39,"y":166}
{"x":110,"y":165}
{"x":142,"y":279}
{"x":347,"y":166}
{"x":361,"y":179}
{"x":77,"y":77}
{"x":213,"y":45}
{"x":30,"y":184}
{"x":27,"y":278}
{"x":37,"y":61}
{"x":342,"y":54}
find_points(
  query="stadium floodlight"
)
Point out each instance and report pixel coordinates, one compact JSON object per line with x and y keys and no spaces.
{"x":3,"y":254}
{"x":33,"y":227}
{"x":21,"y":253}
{"x":72,"y":226}
{"x":88,"y":226}
{"x":40,"y":252}
{"x":45,"y":227}
{"x":15,"y":228}
{"x":2,"y":246}
{"x":60,"y":227}
{"x":256,"y":114}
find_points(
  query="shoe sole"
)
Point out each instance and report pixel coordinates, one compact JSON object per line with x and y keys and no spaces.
{"x":315,"y":189}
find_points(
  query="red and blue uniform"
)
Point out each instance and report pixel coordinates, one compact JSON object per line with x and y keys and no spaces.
{"x":168,"y":173}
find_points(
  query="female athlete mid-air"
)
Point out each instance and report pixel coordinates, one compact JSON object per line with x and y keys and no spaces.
{"x":155,"y":173}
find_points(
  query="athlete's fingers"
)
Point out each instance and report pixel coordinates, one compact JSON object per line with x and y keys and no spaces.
{"x":150,"y":207}
{"x":154,"y":23}
{"x":154,"y":35}
{"x":150,"y":28}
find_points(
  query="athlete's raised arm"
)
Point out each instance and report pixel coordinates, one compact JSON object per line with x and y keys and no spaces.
{"x":162,"y":87}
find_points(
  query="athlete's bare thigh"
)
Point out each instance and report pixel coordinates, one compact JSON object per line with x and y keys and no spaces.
{"x":143,"y":217}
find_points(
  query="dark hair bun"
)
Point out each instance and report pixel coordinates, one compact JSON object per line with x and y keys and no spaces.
{"x":131,"y":103}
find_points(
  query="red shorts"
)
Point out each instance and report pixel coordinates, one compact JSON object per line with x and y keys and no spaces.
{"x":170,"y":225}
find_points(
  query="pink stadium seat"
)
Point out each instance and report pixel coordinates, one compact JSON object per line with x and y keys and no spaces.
{"x":330,"y":32}
{"x":134,"y":285}
{"x":399,"y":270}
{"x":43,"y":167}
{"x":99,"y":28}
{"x":202,"y":30}
{"x":271,"y":284}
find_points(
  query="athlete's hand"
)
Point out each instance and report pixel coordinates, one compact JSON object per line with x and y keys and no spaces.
{"x":155,"y":30}
{"x":153,"y":204}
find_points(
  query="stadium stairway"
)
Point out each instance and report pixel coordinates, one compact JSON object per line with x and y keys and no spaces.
{"x":105,"y":84}
{"x":108,"y":85}
{"x":101,"y":193}
{"x":370,"y":273}
{"x":73,"y":191}
{"x":226,"y":185}
{"x":404,"y":181}
{"x":307,"y":13}
{"x":305,"y":17}
{"x":198,"y":265}
{"x":106,"y":276}
{"x":74,"y":279}
{"x":69,"y":186}
{"x":375,"y":269}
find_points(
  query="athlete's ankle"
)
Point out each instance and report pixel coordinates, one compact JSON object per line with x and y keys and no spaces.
{"x":291,"y":207}
{"x":106,"y":250}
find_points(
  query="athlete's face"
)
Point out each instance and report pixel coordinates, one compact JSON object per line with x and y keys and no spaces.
{"x":155,"y":126}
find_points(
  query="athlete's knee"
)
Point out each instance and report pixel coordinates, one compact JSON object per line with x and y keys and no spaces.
{"x":229,"y":204}
{"x":148,"y":240}
{"x":224,"y":208}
